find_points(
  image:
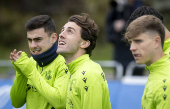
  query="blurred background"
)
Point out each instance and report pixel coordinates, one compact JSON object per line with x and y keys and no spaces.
{"x":15,"y":13}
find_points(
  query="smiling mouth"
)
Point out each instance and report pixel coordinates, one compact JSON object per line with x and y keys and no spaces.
{"x":61,"y":43}
{"x":35,"y":52}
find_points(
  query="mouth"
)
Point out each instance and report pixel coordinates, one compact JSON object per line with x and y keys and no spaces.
{"x":136,"y":56}
{"x":36,"y":52}
{"x":61,"y":42}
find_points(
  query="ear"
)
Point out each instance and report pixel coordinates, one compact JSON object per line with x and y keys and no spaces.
{"x":54,"y":37}
{"x":157,"y":41}
{"x":85,"y":44}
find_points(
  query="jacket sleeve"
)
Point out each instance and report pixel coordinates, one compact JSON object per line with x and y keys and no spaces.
{"x":56,"y":94}
{"x":18,"y":89}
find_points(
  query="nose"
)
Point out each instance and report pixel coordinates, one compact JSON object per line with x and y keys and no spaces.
{"x":62,"y":34}
{"x":33,"y":44}
{"x":132,"y":47}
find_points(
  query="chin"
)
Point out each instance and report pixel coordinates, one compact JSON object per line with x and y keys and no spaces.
{"x":60,"y":52}
{"x":36,"y":54}
{"x":140,"y":63}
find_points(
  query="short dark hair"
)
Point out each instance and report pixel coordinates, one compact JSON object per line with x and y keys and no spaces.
{"x":41,"y":21}
{"x":89,"y":29}
{"x":144,"y":10}
{"x":144,"y":24}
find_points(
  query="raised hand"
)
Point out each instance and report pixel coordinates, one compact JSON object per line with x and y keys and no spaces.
{"x":15,"y":55}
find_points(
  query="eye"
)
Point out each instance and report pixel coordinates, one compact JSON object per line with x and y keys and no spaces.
{"x":38,"y":40}
{"x":62,"y":30}
{"x":29,"y":40}
{"x":138,"y":41}
{"x":69,"y":31}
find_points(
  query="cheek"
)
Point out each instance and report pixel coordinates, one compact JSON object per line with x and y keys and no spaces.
{"x":29,"y":44}
{"x":73,"y":47}
{"x":44,"y":45}
{"x":148,"y":52}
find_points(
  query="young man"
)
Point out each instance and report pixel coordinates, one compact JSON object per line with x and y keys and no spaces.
{"x":145,"y":10}
{"x":88,"y":88}
{"x":146,"y":36}
{"x":42,"y":80}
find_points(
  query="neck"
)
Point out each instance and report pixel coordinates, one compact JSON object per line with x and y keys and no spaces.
{"x":71,"y":57}
{"x":167,"y":34}
{"x":47,"y":57}
{"x":157,"y":56}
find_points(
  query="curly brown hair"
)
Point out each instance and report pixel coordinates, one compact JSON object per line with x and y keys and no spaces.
{"x":89,"y":29}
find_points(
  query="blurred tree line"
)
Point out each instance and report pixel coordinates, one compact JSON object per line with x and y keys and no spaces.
{"x":15,"y":13}
{"x":163,"y":6}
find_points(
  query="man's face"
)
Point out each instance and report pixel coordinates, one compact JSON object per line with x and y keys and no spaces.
{"x":69,"y":39}
{"x":39,"y":41}
{"x":142,"y":48}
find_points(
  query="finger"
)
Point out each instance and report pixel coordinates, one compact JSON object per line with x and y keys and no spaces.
{"x":14,"y":51}
{"x":11,"y":58}
{"x":14,"y":55}
{"x":15,"y":58}
{"x":19,"y":53}
{"x":10,"y":55}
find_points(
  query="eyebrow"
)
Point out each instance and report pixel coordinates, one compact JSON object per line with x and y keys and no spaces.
{"x":35,"y":38}
{"x":70,"y":28}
